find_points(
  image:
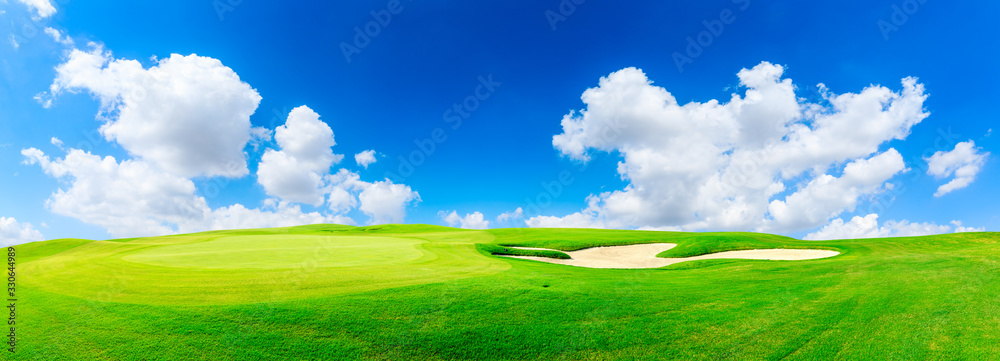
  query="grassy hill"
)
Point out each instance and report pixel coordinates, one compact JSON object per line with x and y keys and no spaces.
{"x":418,"y":292}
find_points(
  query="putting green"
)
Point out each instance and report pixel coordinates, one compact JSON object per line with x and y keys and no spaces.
{"x":250,"y":266}
{"x":282,"y":251}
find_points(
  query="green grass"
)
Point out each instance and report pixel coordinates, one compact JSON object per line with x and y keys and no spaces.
{"x":269,"y":252}
{"x":414,"y":292}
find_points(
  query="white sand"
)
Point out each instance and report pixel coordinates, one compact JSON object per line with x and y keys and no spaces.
{"x":644,"y":256}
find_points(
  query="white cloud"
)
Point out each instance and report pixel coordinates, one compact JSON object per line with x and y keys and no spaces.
{"x":58,"y":37}
{"x":386,"y":202}
{"x":661,"y":229}
{"x":185,"y":117}
{"x":474,"y":220}
{"x":307,"y":139}
{"x":13,"y":43}
{"x":965,"y":161}
{"x":515,"y":214}
{"x":858,"y":227}
{"x":719,"y":164}
{"x":905,"y":229}
{"x":575,"y":220}
{"x":341,"y":200}
{"x":188,"y":115}
{"x":961,"y":229}
{"x":283,"y":176}
{"x":299,"y":172}
{"x":131,"y":198}
{"x":365,"y":158}
{"x":591,"y":217}
{"x":867,"y":227}
{"x":56,"y":142}
{"x":382,"y":201}
{"x":274,"y":214}
{"x":42,"y":8}
{"x":13,"y":233}
{"x":826,"y":196}
{"x":295,"y":172}
{"x":127,"y":198}
{"x":260,"y":135}
{"x":343,"y":191}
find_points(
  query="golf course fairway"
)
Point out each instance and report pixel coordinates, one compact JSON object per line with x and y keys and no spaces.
{"x":420,"y":292}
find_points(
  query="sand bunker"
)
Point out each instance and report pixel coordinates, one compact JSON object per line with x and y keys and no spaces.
{"x":644,"y":256}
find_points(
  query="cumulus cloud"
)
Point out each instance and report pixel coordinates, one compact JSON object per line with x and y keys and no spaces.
{"x":307,"y":139}
{"x":260,"y":135}
{"x":42,"y":8}
{"x":575,"y":220}
{"x":126,"y":198}
{"x":131,"y":198}
{"x":515,"y":214}
{"x":340,"y":200}
{"x":868,"y":227}
{"x":342,"y":190}
{"x":295,"y":171}
{"x":58,"y":37}
{"x":365,"y":158}
{"x":858,"y":227}
{"x":282,"y":176}
{"x":961,"y":229}
{"x":720,"y":164}
{"x":13,"y":233}
{"x":826,"y":196}
{"x":591,"y":217}
{"x":299,"y":172}
{"x":964,"y":162}
{"x":188,"y":115}
{"x":274,"y":213}
{"x":474,"y":220}
{"x":386,"y":202}
{"x":905,"y":229}
{"x":383,"y":201}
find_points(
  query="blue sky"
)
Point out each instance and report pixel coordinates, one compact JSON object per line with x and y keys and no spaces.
{"x":401,"y":86}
